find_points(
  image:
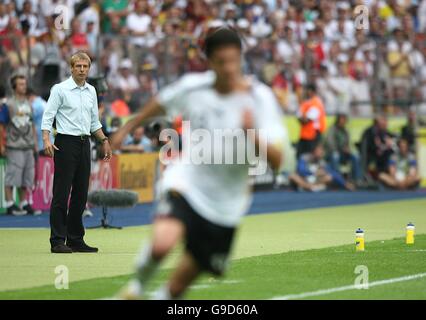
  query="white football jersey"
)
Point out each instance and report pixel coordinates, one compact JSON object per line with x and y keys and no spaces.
{"x":218,"y":192}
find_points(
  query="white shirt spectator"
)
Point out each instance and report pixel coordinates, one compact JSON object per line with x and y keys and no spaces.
{"x":90,"y":14}
{"x":331,"y":31}
{"x":422,"y":16}
{"x":4,"y":21}
{"x":140,"y":24}
{"x":261,"y":28}
{"x":20,"y":4}
{"x":52,"y":7}
{"x":341,"y":86}
{"x":129,"y":83}
{"x":361,"y":97}
{"x":125,"y":80}
{"x":405,"y":48}
{"x":287,"y":50}
{"x":33,"y":23}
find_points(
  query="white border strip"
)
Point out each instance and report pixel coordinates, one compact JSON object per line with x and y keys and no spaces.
{"x":345,"y":288}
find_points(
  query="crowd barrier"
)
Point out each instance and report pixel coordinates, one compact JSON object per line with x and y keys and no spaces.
{"x":136,"y":172}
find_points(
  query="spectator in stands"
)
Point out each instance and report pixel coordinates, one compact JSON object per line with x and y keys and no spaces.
{"x":138,"y":23}
{"x":402,"y":173}
{"x":125,"y":80}
{"x":116,"y":10}
{"x":78,"y":38}
{"x":341,"y":85}
{"x":126,"y":83}
{"x":38,"y":105}
{"x":46,"y":59}
{"x":313,"y":48}
{"x":312,"y":119}
{"x":408,"y":132}
{"x":399,"y":63}
{"x":91,"y":14}
{"x":12,"y":30}
{"x":3,"y":107}
{"x":287,"y":84}
{"x":338,"y":151}
{"x":28,"y":17}
{"x":92,"y":37}
{"x":21,"y":143}
{"x":4,"y":17}
{"x":376,"y":146}
{"x":313,"y":173}
{"x":137,"y":142}
{"x":116,"y":124}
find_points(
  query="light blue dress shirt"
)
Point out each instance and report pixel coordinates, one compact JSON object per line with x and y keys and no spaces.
{"x":75,"y":109}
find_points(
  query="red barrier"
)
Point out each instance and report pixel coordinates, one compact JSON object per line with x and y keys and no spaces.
{"x":42,"y":195}
{"x":103,"y":176}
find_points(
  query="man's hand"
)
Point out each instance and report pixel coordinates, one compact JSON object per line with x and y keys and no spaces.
{"x":106,"y":148}
{"x":49,"y":148}
{"x":2,"y":150}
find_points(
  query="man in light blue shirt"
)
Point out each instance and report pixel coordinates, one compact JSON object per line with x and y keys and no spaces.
{"x":137,"y":142}
{"x":73,"y":103}
{"x":38,"y":105}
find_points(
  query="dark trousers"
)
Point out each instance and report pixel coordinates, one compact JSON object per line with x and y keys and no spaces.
{"x":307,"y":146}
{"x":72,"y":173}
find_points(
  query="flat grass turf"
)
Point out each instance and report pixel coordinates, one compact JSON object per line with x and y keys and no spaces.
{"x":294,"y":272}
{"x":25,"y":260}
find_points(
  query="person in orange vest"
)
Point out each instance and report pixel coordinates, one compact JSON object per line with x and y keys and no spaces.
{"x":312,"y":118}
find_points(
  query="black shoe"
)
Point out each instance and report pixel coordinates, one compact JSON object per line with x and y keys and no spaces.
{"x":15,"y":211}
{"x":31,"y":210}
{"x":82,"y":247}
{"x":61,"y":248}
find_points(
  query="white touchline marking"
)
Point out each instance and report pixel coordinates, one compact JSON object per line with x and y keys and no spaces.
{"x":351,"y":287}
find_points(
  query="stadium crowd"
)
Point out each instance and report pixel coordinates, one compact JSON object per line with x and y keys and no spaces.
{"x":357,"y":62}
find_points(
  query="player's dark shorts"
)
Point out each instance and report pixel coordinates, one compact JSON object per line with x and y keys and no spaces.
{"x":209,"y":243}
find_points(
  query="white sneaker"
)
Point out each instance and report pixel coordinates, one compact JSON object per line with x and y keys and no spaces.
{"x":131,"y":291}
{"x":37,"y":212}
{"x":14,"y":210}
{"x":87,"y":213}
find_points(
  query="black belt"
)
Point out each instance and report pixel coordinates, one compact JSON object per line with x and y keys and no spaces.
{"x":82,"y":137}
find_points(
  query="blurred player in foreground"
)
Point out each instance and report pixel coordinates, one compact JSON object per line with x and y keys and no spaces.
{"x":203,"y":204}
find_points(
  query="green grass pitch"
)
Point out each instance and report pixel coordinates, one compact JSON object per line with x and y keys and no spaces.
{"x":291,"y":255}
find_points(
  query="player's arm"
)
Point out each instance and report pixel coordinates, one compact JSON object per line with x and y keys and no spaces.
{"x":151,"y":109}
{"x":273,"y":152}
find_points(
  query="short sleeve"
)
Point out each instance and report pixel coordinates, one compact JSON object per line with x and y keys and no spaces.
{"x":269,"y":116}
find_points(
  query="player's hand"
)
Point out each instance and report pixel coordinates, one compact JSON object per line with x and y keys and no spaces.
{"x":49,"y":148}
{"x":248,"y":119}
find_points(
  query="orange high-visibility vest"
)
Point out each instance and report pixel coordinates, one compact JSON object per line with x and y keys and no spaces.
{"x":309,"y":130}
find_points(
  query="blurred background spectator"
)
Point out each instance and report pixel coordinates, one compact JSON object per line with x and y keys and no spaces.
{"x":401,"y":173}
{"x":359,"y":69}
{"x":138,"y":142}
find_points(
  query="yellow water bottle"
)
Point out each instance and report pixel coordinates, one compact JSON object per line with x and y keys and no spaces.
{"x":359,"y":240}
{"x":410,"y":234}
